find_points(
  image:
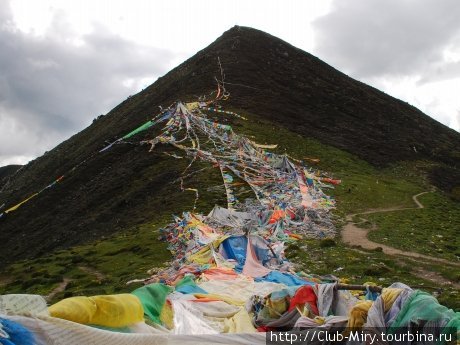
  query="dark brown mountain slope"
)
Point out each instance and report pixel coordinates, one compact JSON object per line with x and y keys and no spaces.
{"x":7,"y":171}
{"x":265,"y":76}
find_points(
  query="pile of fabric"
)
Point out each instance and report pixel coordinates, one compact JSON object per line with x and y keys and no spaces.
{"x":217,"y":306}
{"x":229,"y":282}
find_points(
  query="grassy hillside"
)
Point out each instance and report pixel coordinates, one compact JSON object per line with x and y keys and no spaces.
{"x":104,"y":266}
{"x":287,"y":87}
{"x":6,"y":172}
{"x":434,"y":229}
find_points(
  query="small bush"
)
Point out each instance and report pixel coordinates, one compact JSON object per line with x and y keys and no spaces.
{"x":77,"y":259}
{"x":377,"y":270}
{"x":327,"y":242}
{"x":292,"y":247}
{"x":31,"y":282}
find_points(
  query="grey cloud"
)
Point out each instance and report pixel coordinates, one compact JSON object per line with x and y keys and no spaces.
{"x":5,"y":14}
{"x":441,"y":73}
{"x":457,"y":125}
{"x":372,"y":38}
{"x":444,"y":70}
{"x":51,"y":88}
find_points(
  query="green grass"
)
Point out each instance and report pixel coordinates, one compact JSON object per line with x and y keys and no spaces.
{"x":433,"y":230}
{"x":118,"y":259}
{"x":358,"y":266}
{"x":129,"y":254}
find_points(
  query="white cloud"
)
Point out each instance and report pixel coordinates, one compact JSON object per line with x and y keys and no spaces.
{"x":392,"y":37}
{"x":64,"y":62}
{"x":407,"y":48}
{"x":51,"y":88}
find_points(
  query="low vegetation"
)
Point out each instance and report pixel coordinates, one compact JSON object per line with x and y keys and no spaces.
{"x":434,"y":229}
{"x":106,"y":265}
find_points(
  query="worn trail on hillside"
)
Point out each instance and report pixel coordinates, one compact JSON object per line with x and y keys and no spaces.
{"x":92,"y":271}
{"x":61,"y":287}
{"x":352,"y":234}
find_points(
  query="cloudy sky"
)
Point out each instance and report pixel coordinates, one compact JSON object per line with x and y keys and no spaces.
{"x":64,"y":62}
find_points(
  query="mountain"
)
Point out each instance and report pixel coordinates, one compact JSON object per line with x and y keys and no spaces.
{"x":268,"y":79}
{"x":6,"y":171}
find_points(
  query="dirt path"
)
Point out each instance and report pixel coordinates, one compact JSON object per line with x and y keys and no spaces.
{"x":434,"y":277}
{"x":99,"y":276}
{"x":352,"y":234}
{"x":418,"y":203}
{"x":61,"y":287}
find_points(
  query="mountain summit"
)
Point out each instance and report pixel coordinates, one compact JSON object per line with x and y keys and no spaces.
{"x":266,"y":77}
